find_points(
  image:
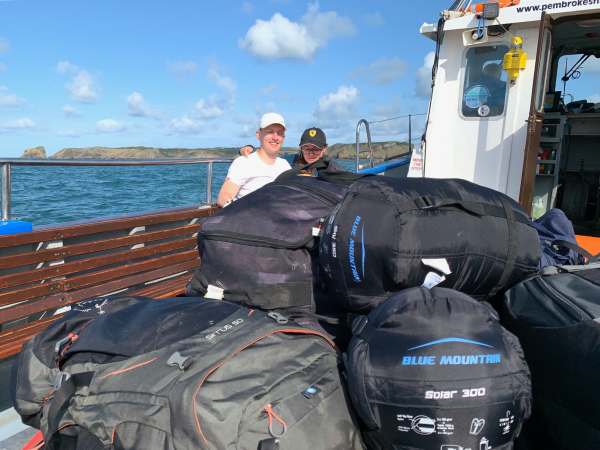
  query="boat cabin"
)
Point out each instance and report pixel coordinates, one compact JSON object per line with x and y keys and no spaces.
{"x":507,"y":106}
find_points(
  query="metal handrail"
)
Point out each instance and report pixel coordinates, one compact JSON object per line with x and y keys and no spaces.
{"x":6,"y":165}
{"x":366,"y":124}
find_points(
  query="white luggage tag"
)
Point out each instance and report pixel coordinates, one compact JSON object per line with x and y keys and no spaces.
{"x":214,"y":292}
{"x":434,"y":278}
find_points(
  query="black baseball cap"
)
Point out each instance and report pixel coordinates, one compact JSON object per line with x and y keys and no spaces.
{"x":313,"y":136}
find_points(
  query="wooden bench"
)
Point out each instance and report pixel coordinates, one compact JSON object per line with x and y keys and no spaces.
{"x":43,"y":272}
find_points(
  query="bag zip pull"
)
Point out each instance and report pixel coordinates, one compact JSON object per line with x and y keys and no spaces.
{"x":277,"y":317}
{"x":272,"y":416}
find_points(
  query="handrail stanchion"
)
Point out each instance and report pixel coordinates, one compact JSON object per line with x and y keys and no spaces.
{"x":6,"y":191}
{"x":209,"y":175}
{"x":366,"y":124}
{"x":410,"y":133}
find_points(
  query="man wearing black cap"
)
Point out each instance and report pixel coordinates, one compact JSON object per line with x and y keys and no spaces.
{"x":312,"y":157}
{"x":313,"y":146}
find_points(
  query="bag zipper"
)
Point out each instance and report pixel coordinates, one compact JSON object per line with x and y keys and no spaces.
{"x":316,"y":192}
{"x":218,"y":365}
{"x":572,"y":307}
{"x":238,"y":238}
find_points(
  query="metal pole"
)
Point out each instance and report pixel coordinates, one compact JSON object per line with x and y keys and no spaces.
{"x":5,"y":191}
{"x":209,"y":174}
{"x":410,"y":133}
{"x":358,"y":145}
{"x":366,"y":124}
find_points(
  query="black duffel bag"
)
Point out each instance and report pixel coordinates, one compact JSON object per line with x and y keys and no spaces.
{"x":390,"y":234}
{"x":258,"y":250}
{"x":556,"y":317}
{"x":434,"y":369}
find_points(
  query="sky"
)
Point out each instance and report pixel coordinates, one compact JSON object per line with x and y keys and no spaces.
{"x":199,"y":74}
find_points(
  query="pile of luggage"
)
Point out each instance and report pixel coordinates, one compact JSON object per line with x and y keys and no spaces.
{"x":335,"y":313}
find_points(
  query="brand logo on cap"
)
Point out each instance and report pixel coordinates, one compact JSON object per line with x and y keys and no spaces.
{"x":312,"y":133}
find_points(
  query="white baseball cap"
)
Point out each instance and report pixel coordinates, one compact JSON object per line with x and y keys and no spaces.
{"x":270,"y":118}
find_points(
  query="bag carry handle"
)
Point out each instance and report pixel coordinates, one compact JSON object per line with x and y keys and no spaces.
{"x":576,"y":248}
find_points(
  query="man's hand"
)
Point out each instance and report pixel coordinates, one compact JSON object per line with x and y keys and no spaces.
{"x":246,"y":150}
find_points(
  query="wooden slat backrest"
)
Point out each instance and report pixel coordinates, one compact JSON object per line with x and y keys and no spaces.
{"x":56,"y":266}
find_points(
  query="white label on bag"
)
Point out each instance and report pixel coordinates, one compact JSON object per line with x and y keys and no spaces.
{"x":439,"y":264}
{"x":214,"y":292}
{"x":62,"y":310}
{"x":432,"y":279}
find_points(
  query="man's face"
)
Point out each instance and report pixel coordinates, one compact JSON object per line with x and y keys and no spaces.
{"x":271,"y":138}
{"x":312,"y":153}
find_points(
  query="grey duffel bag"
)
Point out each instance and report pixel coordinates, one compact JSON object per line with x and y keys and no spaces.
{"x":183,"y":374}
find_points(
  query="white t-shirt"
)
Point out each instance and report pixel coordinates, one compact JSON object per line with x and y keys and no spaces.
{"x":251,"y":173}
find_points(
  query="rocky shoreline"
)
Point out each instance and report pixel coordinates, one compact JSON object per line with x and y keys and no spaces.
{"x":381,"y":151}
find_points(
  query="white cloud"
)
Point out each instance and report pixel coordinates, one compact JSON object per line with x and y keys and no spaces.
{"x":65,"y":67}
{"x":280,"y":37}
{"x":109,"y":126}
{"x":4,"y":46}
{"x":183,"y":68}
{"x":69,"y":111}
{"x":382,"y":71}
{"x":24,"y":123}
{"x":336,"y":108}
{"x":247,"y":7}
{"x":208,"y":109}
{"x":224,"y":82}
{"x":594,"y":98}
{"x":326,"y":25}
{"x":185,"y":125}
{"x":374,"y":19}
{"x":82,"y":86}
{"x":138,"y":107}
{"x":8,"y":99}
{"x":338,"y":102}
{"x":423,"y":80}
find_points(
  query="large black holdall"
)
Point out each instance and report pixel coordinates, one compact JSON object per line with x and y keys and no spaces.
{"x":182,"y":373}
{"x":434,"y":369}
{"x":258,"y":250}
{"x":556,"y":316}
{"x":390,"y":234}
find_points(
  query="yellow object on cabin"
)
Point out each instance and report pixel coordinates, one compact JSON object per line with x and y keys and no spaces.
{"x":515,"y":59}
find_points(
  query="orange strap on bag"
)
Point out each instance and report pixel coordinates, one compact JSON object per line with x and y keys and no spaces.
{"x":35,"y":443}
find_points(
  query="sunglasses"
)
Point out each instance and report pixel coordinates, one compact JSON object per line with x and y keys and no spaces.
{"x":312,"y":149}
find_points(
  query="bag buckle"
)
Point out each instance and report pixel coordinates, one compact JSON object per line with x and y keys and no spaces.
{"x":61,"y":377}
{"x":71,"y":337}
{"x":177,"y":360}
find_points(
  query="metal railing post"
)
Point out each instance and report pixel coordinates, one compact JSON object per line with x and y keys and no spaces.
{"x":410,"y":133}
{"x":209,"y":175}
{"x":366,"y":124}
{"x":6,"y":191}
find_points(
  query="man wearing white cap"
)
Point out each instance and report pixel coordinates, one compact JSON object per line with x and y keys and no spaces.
{"x":247,"y":174}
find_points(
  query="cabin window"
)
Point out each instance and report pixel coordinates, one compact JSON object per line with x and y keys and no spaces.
{"x":484,"y":89}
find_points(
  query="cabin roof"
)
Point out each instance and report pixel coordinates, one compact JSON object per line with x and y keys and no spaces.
{"x":524,"y":11}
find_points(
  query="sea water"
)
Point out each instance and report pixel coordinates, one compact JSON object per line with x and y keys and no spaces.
{"x":46,"y":195}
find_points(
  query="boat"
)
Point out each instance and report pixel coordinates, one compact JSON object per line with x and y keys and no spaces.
{"x":510,"y":129}
{"x":513,"y":130}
